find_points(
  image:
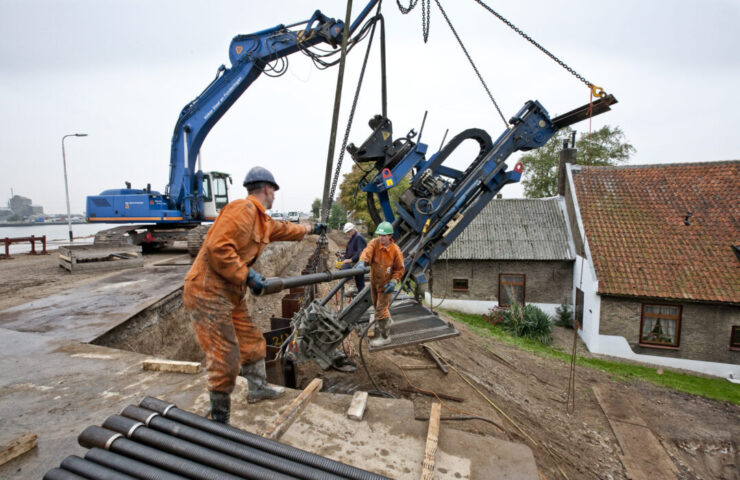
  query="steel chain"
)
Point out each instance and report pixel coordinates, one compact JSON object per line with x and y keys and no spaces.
{"x":425,"y":12}
{"x":533,"y":42}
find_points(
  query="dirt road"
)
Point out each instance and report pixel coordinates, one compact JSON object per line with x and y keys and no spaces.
{"x":522,"y":395}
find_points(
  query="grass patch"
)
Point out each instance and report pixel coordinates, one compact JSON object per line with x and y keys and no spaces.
{"x":714,"y":388}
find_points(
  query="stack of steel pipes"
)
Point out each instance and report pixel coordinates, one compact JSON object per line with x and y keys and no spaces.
{"x":157,"y":440}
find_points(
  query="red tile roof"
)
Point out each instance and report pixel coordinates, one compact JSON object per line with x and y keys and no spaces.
{"x":634,"y":222}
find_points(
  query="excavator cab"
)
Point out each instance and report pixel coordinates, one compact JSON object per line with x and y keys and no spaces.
{"x":215,"y":193}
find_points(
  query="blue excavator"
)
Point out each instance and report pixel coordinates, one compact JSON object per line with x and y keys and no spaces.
{"x":437,"y":206}
{"x":192,"y":196}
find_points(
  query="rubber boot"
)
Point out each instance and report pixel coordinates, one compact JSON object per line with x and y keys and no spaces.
{"x":220,"y":407}
{"x":382,"y":333}
{"x":259,"y":389}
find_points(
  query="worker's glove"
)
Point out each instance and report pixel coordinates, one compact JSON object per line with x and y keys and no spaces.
{"x":360,"y":264}
{"x":319,"y":228}
{"x":390,"y":286}
{"x":256,"y":281}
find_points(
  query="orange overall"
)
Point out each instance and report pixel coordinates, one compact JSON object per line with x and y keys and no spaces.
{"x":385,"y":263}
{"x":216,"y":284}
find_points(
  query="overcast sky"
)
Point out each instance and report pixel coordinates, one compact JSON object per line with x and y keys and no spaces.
{"x":121,"y":71}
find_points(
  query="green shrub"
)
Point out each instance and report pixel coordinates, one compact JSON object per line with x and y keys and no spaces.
{"x":528,"y":321}
{"x":563,"y":316}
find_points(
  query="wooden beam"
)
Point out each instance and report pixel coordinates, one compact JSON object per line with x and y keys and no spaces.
{"x":17,"y":447}
{"x":289,"y":415}
{"x":160,"y":365}
{"x":440,"y":395}
{"x":430,"y":452}
{"x":357,"y":407}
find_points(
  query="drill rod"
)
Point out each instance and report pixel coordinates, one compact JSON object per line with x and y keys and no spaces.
{"x":276,"y":284}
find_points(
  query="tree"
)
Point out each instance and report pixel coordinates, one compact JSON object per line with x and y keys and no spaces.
{"x":337,"y":217}
{"x":316,"y":208}
{"x":604,"y":147}
{"x":354,"y":200}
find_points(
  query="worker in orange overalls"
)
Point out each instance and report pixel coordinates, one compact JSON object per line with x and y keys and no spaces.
{"x":216,"y":285}
{"x":386,"y":269}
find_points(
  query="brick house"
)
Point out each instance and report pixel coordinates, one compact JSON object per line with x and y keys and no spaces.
{"x":657,"y":267}
{"x":514,"y":250}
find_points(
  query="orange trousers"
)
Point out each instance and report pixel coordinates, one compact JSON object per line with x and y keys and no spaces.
{"x":228,"y":338}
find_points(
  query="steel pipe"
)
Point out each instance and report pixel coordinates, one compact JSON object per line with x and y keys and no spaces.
{"x":140,"y":433}
{"x":61,"y":474}
{"x":276,"y":284}
{"x":102,"y":438}
{"x":225,"y":446}
{"x":172,"y":412}
{"x":92,"y":470}
{"x":128,"y":465}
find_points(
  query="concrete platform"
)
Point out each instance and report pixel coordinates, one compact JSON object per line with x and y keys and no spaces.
{"x":85,"y":313}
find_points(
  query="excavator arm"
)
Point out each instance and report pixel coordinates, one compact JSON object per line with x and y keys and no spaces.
{"x":250,"y":56}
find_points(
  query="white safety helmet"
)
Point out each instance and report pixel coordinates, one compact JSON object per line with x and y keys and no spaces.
{"x":348,"y":226}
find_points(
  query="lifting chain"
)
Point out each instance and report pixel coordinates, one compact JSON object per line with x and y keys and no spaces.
{"x":425,"y":11}
{"x":597,"y":91}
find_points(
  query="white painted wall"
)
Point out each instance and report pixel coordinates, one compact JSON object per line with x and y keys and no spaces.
{"x":480,"y":307}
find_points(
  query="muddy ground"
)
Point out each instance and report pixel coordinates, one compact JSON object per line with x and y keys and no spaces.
{"x":522,"y":396}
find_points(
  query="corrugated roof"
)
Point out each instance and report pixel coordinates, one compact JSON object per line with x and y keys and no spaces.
{"x":514,"y":229}
{"x":634,"y":218}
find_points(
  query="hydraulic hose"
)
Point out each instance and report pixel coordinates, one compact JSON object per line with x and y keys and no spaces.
{"x":172,"y":412}
{"x":61,"y":474}
{"x":102,"y":438}
{"x":128,"y":465}
{"x":92,"y":470}
{"x":227,"y":447}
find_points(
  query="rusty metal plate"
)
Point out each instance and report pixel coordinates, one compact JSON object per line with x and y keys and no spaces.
{"x":414,"y":323}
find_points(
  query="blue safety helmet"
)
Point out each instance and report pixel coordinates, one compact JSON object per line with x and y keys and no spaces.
{"x":260,"y":174}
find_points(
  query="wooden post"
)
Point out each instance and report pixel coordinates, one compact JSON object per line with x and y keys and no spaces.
{"x":430,"y":453}
{"x":286,"y":419}
{"x":33,"y":245}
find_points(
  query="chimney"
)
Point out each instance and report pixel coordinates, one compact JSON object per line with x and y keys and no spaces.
{"x":567,"y":155}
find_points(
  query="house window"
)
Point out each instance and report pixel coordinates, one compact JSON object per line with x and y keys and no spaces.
{"x":735,"y":338}
{"x":660,"y":325}
{"x":459,"y":284}
{"x":510,"y":289}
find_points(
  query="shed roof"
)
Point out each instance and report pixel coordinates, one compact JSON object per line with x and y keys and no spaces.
{"x":514,"y":229}
{"x":643,"y":244}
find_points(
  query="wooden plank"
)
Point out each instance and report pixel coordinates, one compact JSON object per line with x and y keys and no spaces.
{"x":435,"y":358}
{"x":430,"y":452}
{"x":417,"y":367}
{"x":643,"y":456}
{"x":17,"y":447}
{"x":440,"y":395}
{"x":357,"y":407}
{"x":289,"y":415}
{"x":159,"y":365}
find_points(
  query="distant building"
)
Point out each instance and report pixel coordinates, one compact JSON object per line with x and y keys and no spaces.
{"x":23,"y":207}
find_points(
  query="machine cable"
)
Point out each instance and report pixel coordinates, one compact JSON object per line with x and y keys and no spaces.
{"x":472,"y":64}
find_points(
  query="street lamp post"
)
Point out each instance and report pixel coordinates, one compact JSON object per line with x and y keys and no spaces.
{"x":66,"y":186}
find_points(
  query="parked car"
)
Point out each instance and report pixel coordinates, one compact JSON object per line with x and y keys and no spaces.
{"x":294,"y":217}
{"x":278,"y":216}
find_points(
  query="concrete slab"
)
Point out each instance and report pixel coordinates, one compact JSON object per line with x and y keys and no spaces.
{"x":55,"y":388}
{"x":83,"y":314}
{"x":388,"y":441}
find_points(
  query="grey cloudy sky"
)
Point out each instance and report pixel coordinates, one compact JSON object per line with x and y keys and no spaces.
{"x":122,"y":71}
